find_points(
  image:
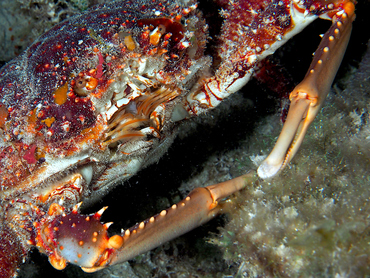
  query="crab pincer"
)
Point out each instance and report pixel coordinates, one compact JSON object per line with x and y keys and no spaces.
{"x":308,"y":96}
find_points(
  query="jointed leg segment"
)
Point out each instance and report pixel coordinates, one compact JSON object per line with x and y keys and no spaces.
{"x":200,"y":206}
{"x":308,"y":96}
{"x":93,"y":249}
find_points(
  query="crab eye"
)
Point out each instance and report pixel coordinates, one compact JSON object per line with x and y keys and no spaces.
{"x":84,"y":85}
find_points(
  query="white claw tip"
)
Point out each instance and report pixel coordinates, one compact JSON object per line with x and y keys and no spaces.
{"x":266,"y":170}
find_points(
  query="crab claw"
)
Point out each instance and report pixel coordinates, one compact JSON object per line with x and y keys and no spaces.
{"x":78,"y":239}
{"x":83,"y":240}
{"x":308,"y":97}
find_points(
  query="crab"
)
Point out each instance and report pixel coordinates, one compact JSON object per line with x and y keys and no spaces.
{"x":102,"y":95}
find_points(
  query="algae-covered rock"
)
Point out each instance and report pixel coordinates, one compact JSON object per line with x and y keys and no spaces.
{"x":22,"y":21}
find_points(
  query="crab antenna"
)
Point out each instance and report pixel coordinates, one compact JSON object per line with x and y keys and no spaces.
{"x":309,"y":95}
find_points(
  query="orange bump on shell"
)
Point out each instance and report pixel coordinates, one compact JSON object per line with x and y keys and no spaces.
{"x":349,"y":8}
{"x":60,"y":94}
{"x":115,"y":241}
{"x":48,"y":121}
{"x":163,"y":213}
{"x":129,"y":42}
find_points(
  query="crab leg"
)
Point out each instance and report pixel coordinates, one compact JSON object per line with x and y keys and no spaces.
{"x":83,"y":240}
{"x":308,"y":96}
{"x":197,"y":208}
